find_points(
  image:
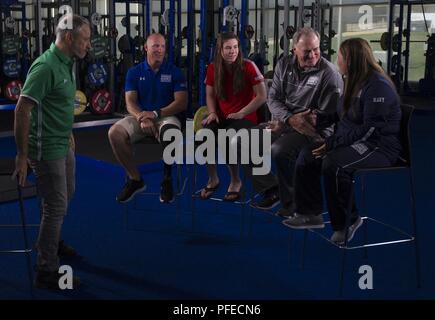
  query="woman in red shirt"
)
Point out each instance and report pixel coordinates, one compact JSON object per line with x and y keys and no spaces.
{"x":235,"y":90}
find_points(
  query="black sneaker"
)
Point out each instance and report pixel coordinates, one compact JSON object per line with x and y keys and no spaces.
{"x":285,"y":212}
{"x":130,"y":189}
{"x":305,"y":221}
{"x":50,"y":280}
{"x":269,"y":201}
{"x":66,"y":251}
{"x":166,"y":192}
{"x":339,"y":237}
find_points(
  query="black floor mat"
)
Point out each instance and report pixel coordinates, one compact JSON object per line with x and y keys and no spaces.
{"x":94,"y":143}
{"x":6,"y":120}
{"x":87,"y":116}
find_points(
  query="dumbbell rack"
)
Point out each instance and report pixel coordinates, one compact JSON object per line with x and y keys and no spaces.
{"x":14,"y":49}
{"x":394,"y":43}
{"x":95,"y":74}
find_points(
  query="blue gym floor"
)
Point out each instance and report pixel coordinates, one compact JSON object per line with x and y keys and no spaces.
{"x":163,"y":253}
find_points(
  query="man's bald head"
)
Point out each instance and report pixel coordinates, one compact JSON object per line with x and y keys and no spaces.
{"x":155,"y":47}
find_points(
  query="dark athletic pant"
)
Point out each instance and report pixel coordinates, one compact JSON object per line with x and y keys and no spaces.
{"x":337,"y":169}
{"x":235,"y":124}
{"x":285,"y":150}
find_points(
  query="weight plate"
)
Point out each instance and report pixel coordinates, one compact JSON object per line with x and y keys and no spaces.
{"x":96,"y":19}
{"x":11,"y":67}
{"x":97,"y":74}
{"x":10,"y":22}
{"x":10,"y":45}
{"x":80,"y":102}
{"x":101,"y":102}
{"x":13,"y":90}
{"x":99,"y":46}
{"x":384,"y":40}
{"x":200,"y":115}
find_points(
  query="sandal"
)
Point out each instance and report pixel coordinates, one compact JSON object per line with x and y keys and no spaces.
{"x":208,"y":191}
{"x":232,"y":196}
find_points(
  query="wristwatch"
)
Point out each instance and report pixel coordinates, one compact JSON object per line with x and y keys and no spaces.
{"x":157,"y":113}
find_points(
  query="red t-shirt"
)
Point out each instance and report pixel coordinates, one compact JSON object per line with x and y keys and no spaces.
{"x":236,"y":102}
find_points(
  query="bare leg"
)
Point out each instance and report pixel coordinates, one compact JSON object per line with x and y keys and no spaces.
{"x":236,"y":183}
{"x":213,"y":180}
{"x":123,"y":150}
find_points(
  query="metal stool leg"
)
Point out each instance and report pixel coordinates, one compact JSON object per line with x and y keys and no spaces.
{"x":194,"y":174}
{"x":414,"y":227}
{"x":178,"y":204}
{"x":347,"y":224}
{"x":366,"y":251}
{"x":27,"y":249}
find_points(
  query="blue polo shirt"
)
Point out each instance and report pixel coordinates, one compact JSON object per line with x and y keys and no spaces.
{"x":155,"y":90}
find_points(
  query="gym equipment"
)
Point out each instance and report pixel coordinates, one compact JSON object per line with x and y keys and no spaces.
{"x":203,"y":54}
{"x":124,"y":22}
{"x":97,"y":74}
{"x":230,"y":15}
{"x":399,"y":25}
{"x":249,"y":31}
{"x":185,"y":32}
{"x":13,"y":90}
{"x":395,"y":67}
{"x":112,"y":33}
{"x":200,"y":115}
{"x":96,"y":19}
{"x":100,"y":46}
{"x":125,"y":43}
{"x":80,"y":102}
{"x":139,"y":52}
{"x":11,"y":45}
{"x":247,"y":46}
{"x":324,"y":43}
{"x":396,"y":43}
{"x":10,"y":22}
{"x":322,"y":14}
{"x":26,"y":33}
{"x":260,"y":43}
{"x":11,"y":67}
{"x":191,"y":61}
{"x":385,"y":38}
{"x":139,"y":41}
{"x":306,"y":15}
{"x":164,"y":18}
{"x":427,"y":85}
{"x":289,"y":33}
{"x":101,"y":102}
{"x":281,"y":42}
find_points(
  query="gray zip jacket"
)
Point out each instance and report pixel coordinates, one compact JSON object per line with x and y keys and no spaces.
{"x":294,"y":90}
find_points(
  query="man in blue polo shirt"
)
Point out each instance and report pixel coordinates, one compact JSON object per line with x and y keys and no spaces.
{"x":156,"y":96}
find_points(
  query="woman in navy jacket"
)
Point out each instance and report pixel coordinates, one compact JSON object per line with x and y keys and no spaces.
{"x":367,"y":135}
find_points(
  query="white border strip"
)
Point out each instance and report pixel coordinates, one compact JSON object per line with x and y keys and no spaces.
{"x":76,"y":125}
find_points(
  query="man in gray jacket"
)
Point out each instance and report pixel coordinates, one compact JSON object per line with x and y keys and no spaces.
{"x":303,"y":84}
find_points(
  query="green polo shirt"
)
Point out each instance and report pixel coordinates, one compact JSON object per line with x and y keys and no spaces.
{"x":50,"y":83}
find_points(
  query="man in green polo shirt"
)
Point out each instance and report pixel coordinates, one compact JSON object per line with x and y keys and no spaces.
{"x":44,"y":118}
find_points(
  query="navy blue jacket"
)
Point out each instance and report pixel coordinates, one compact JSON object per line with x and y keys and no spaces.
{"x":373,"y":119}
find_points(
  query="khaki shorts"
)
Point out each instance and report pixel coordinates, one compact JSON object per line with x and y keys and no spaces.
{"x":131,"y":125}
